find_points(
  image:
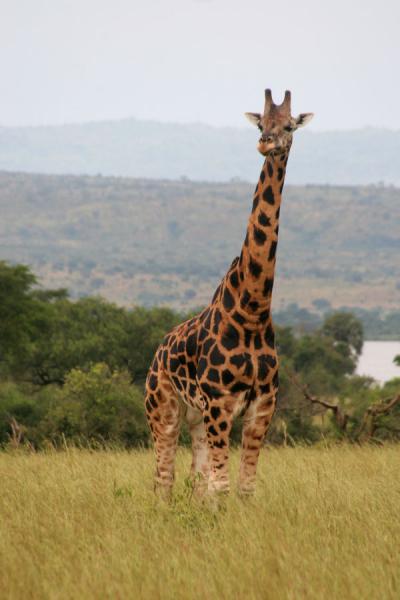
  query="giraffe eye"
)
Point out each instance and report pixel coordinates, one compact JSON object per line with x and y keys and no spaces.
{"x":288,"y":128}
{"x":260,"y":127}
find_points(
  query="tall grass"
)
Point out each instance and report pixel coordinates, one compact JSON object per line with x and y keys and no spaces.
{"x":78,"y":524}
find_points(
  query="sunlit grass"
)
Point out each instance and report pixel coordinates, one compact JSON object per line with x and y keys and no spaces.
{"x":78,"y":524}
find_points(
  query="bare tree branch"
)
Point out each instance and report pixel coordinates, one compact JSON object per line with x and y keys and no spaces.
{"x":341,"y":417}
{"x":369,"y":423}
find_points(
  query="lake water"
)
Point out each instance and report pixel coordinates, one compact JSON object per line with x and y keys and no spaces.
{"x":376,"y":360}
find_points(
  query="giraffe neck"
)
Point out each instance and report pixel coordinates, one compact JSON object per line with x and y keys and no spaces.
{"x":257,"y":260}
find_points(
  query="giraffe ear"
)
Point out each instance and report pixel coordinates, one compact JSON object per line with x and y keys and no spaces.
{"x":303,"y":119}
{"x":254,"y":118}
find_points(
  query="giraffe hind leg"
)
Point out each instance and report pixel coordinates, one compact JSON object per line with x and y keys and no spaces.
{"x":163,"y":415}
{"x":256,"y":423}
{"x":200,"y":468}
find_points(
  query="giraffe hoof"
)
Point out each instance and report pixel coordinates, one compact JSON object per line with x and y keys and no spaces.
{"x":246,"y":493}
{"x":163,"y":492}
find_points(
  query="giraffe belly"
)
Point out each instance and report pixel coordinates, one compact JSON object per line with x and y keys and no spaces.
{"x":187,"y":391}
{"x":195,"y":401}
{"x":239,"y":404}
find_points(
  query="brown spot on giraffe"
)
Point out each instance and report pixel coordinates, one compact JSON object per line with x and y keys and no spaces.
{"x":223,"y":362}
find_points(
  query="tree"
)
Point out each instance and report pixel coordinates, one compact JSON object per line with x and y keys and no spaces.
{"x":345,"y":329}
{"x":98,"y":404}
{"x":77,"y":334}
{"x":92,"y":330}
{"x":319,"y":352}
{"x":21,"y":314}
{"x":145,"y":329}
{"x":16,"y":307}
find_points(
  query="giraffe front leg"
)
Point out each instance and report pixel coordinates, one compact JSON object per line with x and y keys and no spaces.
{"x":163,"y":415}
{"x":218,"y":423}
{"x":200,"y":468}
{"x":255,"y":426}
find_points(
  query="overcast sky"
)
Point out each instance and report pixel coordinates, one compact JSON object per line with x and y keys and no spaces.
{"x":199,"y":60}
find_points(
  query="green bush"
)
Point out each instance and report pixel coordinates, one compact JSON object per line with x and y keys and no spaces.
{"x":94,"y":405}
{"x":98,"y":405}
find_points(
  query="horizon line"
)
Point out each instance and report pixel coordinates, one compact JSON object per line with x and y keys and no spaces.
{"x":197,"y":123}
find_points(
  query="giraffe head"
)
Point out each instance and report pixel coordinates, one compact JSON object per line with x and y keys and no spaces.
{"x":277,"y":124}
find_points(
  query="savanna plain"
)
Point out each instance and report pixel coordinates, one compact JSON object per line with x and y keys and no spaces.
{"x":86,"y":524}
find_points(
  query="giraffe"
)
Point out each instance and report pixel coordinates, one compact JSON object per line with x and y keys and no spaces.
{"x":223,"y":362}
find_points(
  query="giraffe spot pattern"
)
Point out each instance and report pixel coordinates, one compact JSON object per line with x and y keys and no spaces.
{"x":234,"y":279}
{"x":268,"y":195}
{"x":256,"y":201}
{"x":228,"y":300}
{"x":272,"y":250}
{"x":260,"y":237}
{"x":263,"y":219}
{"x":255,"y":268}
{"x":230,"y":338}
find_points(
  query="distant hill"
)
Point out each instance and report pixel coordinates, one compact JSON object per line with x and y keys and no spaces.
{"x":134,"y":148}
{"x":157,"y":241}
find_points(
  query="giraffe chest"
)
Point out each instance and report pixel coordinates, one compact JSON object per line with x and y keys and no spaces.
{"x":213,"y":372}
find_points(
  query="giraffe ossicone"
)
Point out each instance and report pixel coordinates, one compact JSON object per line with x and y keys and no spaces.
{"x":223,"y":362}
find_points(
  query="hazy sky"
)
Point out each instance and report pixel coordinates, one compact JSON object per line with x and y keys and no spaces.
{"x":199,"y":60}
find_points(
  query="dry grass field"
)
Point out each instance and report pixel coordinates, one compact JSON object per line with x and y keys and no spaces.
{"x":78,"y":524}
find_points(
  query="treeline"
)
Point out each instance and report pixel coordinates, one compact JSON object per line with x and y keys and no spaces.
{"x":377,"y":324}
{"x":73,"y":371}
